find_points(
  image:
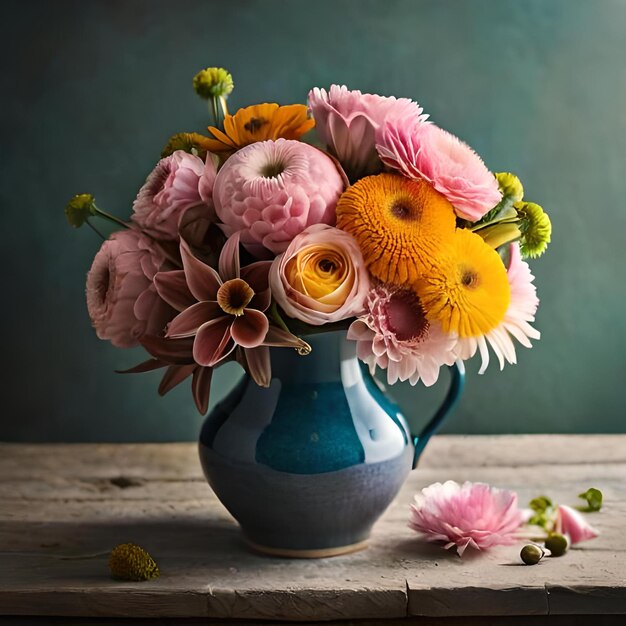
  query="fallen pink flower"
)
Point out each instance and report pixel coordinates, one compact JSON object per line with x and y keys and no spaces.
{"x":571,"y":523}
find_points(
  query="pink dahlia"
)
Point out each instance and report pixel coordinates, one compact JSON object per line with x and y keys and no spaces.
{"x":395,"y":335}
{"x":121,"y":298}
{"x":472,"y":514}
{"x":571,"y":523}
{"x":516,"y":322}
{"x":347,"y":121}
{"x":270,"y":191}
{"x":178,"y":182}
{"x":451,"y":166}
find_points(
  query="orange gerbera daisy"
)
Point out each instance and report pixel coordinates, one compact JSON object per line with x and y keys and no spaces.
{"x":259,"y":123}
{"x":468,"y":292}
{"x":401,"y":225}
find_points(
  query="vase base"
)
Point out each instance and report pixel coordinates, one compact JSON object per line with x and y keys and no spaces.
{"x":320,"y":553}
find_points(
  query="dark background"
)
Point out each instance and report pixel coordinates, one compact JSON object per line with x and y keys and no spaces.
{"x":91,"y":90}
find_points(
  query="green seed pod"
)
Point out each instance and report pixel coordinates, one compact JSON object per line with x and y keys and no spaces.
{"x":531,"y":554}
{"x":557,"y":544}
{"x":131,"y":562}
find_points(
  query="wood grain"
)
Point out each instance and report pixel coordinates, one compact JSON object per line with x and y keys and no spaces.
{"x":63,"y":507}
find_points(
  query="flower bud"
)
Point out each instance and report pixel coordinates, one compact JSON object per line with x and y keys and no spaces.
{"x":131,"y":562}
{"x":510,"y":186}
{"x":531,"y":554}
{"x":79,"y":208}
{"x":557,"y":544}
{"x":213,"y":82}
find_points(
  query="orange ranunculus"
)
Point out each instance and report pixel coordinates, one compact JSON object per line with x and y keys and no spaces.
{"x":259,"y":123}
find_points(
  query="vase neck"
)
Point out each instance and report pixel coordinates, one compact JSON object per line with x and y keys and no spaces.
{"x":323,"y":364}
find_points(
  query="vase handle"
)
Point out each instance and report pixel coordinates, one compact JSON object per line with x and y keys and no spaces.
{"x":457,"y":381}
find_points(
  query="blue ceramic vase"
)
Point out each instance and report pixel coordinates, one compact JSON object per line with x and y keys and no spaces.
{"x":308,"y":465}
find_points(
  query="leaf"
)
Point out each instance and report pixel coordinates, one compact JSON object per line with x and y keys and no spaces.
{"x":540,"y":504}
{"x":594,"y":500}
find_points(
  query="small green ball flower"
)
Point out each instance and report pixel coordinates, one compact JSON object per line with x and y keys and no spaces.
{"x":79,"y":208}
{"x":213,"y":82}
{"x":531,"y":554}
{"x":557,"y":544}
{"x":536,"y":229}
{"x":510,"y":186}
{"x":129,"y":561}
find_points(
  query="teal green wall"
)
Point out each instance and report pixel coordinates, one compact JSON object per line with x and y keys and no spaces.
{"x":91,"y":90}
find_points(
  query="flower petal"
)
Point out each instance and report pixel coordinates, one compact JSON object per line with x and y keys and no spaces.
{"x":201,"y":387}
{"x":203,"y":281}
{"x":259,"y":365}
{"x":175,"y":375}
{"x":257,"y":275}
{"x":249,"y":329}
{"x":229,"y":258}
{"x":173,"y":351}
{"x":213,"y":342}
{"x":172,"y":287}
{"x":186,"y":323}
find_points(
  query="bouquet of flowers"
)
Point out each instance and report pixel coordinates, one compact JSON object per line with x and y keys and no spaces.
{"x":353,"y":213}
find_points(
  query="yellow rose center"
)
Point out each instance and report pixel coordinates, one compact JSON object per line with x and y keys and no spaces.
{"x":317,"y":271}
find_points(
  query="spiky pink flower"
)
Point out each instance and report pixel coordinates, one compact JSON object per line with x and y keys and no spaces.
{"x":122,"y":301}
{"x":270,"y":191}
{"x":395,"y":335}
{"x":571,"y":523}
{"x":451,"y":166}
{"x":347,"y":121}
{"x":178,"y":182}
{"x":472,"y":514}
{"x":516,"y":322}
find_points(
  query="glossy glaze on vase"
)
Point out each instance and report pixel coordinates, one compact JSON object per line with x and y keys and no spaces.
{"x":307,"y":465}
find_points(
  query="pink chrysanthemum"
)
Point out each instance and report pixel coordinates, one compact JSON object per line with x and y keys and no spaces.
{"x":472,"y":514}
{"x":270,"y":191}
{"x":516,"y":322}
{"x":395,"y":335}
{"x":178,"y":182}
{"x":451,"y":166}
{"x":347,"y":122}
{"x":122,"y":300}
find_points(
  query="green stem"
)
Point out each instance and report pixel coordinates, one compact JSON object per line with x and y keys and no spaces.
{"x":111,"y":218}
{"x":277,"y":318}
{"x":94,"y":229}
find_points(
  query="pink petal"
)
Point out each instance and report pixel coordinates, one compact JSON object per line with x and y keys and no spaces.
{"x":176,"y":351}
{"x":250,"y":329}
{"x":201,"y":388}
{"x":146,"y":366}
{"x":572,"y":523}
{"x":283,"y":339}
{"x":213,"y":342}
{"x":257,"y":275}
{"x":172,"y":287}
{"x":186,"y":324}
{"x":203,"y":281}
{"x":261,"y":301}
{"x":174,"y":375}
{"x":259,"y":365}
{"x":229,"y":258}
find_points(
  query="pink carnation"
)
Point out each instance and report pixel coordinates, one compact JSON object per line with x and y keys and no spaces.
{"x":395,"y":336}
{"x":347,"y":122}
{"x":270,"y":191}
{"x":472,"y":514}
{"x":451,"y":166}
{"x":571,"y":523}
{"x":121,"y":298}
{"x":178,"y":182}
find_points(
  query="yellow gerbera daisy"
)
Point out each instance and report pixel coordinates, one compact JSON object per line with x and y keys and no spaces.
{"x":468,"y":292}
{"x":259,"y":123}
{"x":401,"y":225}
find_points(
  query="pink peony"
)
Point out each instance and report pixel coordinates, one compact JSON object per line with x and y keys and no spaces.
{"x":321,"y":277}
{"x":516,"y":322}
{"x":451,"y":166}
{"x":121,"y":298}
{"x":347,"y":122}
{"x":270,"y":191}
{"x":571,"y":523}
{"x":178,"y":182}
{"x":395,"y":335}
{"x":472,"y":514}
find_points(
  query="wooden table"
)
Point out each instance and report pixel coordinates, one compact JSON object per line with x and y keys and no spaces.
{"x":62,"y":504}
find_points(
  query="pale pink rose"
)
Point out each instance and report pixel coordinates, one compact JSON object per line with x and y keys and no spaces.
{"x":347,"y":121}
{"x":121,"y":298}
{"x":321,"y":277}
{"x":395,"y":335}
{"x":178,"y":182}
{"x":270,"y":191}
{"x":451,"y":166}
{"x":516,"y":322}
{"x":472,"y":514}
{"x":571,"y":523}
